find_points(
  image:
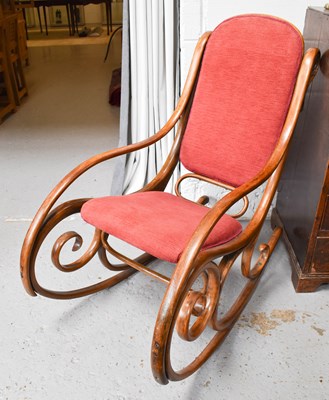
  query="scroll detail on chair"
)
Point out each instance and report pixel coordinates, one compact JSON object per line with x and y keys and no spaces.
{"x":236,"y":116}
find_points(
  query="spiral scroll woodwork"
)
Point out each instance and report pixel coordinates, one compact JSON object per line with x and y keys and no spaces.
{"x":201,"y":304}
{"x":198,"y":309}
{"x":78,"y":241}
{"x":186,"y":307}
{"x":58,"y":215}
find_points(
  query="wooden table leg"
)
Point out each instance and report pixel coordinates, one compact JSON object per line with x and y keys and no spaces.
{"x":45,"y":17}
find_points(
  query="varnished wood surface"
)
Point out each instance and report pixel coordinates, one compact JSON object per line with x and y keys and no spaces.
{"x":8,"y":104}
{"x":303,"y":191}
{"x":183,"y":300}
{"x":303,"y":282}
{"x":158,"y":183}
{"x":14,"y":58}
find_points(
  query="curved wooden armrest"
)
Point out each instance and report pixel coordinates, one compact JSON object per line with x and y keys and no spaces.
{"x":93,"y":161}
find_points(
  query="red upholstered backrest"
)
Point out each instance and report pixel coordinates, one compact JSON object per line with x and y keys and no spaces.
{"x":246,"y":82}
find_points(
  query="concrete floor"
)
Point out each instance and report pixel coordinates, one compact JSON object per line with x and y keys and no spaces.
{"x":98,"y":348}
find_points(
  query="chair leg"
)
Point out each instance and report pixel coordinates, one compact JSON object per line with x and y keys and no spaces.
{"x":45,"y":18}
{"x":18,"y":78}
{"x":14,"y":57}
{"x":111,"y":15}
{"x":182,"y":302}
{"x":69,"y":19}
{"x":108,"y":7}
{"x":39,"y":18}
{"x":74,"y":20}
{"x":22,"y":45}
{"x":110,"y":41}
{"x":24,"y":17}
{"x":8,"y":104}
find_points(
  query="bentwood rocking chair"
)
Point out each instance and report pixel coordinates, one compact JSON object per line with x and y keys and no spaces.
{"x":236,"y":116}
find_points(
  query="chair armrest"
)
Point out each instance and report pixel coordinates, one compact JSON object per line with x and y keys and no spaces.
{"x":93,"y":161}
{"x":97,"y":159}
{"x":72,"y":176}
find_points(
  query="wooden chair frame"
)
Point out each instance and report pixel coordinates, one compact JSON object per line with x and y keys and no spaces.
{"x":180,"y":302}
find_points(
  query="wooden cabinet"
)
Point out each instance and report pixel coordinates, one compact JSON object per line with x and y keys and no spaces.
{"x":303,"y":195}
{"x":22,"y":43}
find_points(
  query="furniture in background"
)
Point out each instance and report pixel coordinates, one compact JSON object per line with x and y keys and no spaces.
{"x":43,"y":4}
{"x":18,"y":8}
{"x":7,"y":6}
{"x":302,"y":207}
{"x":22,"y":38}
{"x":118,"y":29}
{"x":14,"y":57}
{"x":115,"y":88}
{"x":7,"y":99}
{"x":13,"y":52}
{"x":72,"y":11}
{"x":21,"y":6}
{"x":73,"y":7}
{"x":24,"y":4}
{"x":233,"y":92}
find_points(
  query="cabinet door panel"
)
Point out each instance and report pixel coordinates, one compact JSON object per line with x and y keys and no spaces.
{"x":320,"y":262}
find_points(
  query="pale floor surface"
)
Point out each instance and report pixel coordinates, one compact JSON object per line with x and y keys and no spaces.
{"x":98,"y":348}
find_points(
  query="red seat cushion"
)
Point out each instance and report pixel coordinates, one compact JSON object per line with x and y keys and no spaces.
{"x":158,"y":223}
{"x":246,"y":81}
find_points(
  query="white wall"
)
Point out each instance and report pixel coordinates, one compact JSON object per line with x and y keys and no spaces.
{"x":198,"y":16}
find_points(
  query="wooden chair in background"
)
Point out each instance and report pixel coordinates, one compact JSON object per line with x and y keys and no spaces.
{"x":236,"y":117}
{"x":9,"y":7}
{"x":7,"y":99}
{"x":21,"y":6}
{"x":15,"y":59}
{"x":22,"y":37}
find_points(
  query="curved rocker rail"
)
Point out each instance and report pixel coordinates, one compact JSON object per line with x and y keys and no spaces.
{"x":203,"y":305}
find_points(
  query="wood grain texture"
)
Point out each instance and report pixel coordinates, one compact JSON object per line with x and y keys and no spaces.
{"x":302,"y":202}
{"x":192,"y":298}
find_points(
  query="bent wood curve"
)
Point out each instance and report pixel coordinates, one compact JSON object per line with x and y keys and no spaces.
{"x":157,"y":184}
